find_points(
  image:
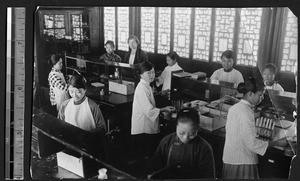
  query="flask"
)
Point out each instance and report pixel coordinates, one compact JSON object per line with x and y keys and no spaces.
{"x":101,"y":92}
{"x":117,"y":73}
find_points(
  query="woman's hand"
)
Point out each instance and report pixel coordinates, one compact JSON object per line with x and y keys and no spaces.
{"x":167,"y":109}
{"x":165,"y":92}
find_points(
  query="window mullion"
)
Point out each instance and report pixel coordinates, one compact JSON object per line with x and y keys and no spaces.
{"x":192,"y":29}
{"x":156,"y":31}
{"x":172,"y":29}
{"x":212,"y":34}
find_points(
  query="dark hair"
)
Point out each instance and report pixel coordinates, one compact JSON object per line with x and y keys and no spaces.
{"x":134,"y":38}
{"x":173,"y":56}
{"x":186,"y":115}
{"x":229,"y":54}
{"x":251,"y":85}
{"x":54,"y":58}
{"x":110,"y":43}
{"x":145,"y":66}
{"x":272,"y":67}
{"x":78,"y":81}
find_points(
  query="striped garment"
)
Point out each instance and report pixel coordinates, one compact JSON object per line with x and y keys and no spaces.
{"x":56,"y":79}
{"x":241,"y":145}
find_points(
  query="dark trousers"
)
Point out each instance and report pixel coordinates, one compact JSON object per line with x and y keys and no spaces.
{"x":144,"y":144}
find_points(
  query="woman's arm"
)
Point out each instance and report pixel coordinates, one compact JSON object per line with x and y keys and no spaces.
{"x":248,"y":135}
{"x":98,"y":118}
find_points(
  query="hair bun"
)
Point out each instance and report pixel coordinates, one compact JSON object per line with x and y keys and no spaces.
{"x":241,"y":88}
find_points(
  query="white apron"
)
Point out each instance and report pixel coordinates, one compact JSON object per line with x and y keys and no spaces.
{"x":80,"y":115}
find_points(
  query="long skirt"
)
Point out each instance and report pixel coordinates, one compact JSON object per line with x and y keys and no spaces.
{"x":239,"y":171}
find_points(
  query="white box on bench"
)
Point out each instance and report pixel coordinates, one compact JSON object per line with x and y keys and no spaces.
{"x":121,"y":87}
{"x":70,"y":163}
{"x":213,"y":120}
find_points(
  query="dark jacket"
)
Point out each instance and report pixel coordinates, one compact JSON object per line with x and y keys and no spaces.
{"x":140,"y":56}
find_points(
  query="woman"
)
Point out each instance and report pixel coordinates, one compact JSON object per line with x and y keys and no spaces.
{"x":135,"y":55}
{"x":185,"y":147}
{"x":166,"y":75}
{"x":58,"y":86}
{"x":228,"y":73}
{"x":145,"y":114}
{"x":241,"y":144}
{"x":81,"y":111}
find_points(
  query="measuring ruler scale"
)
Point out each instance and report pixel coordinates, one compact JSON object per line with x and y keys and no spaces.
{"x":16,"y":98}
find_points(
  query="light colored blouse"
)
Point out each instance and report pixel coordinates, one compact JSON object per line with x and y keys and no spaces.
{"x":131,"y":59}
{"x":275,"y":86}
{"x":145,"y":115}
{"x":233,"y":76}
{"x":165,"y":77}
{"x":241,"y":145}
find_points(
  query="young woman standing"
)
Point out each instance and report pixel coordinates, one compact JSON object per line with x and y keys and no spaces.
{"x":145,"y":115}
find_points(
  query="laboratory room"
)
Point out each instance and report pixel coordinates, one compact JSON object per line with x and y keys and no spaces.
{"x":164,"y":93}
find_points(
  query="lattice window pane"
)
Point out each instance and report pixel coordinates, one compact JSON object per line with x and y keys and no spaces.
{"x":249,"y":36}
{"x":79,"y":24}
{"x":48,"y":21}
{"x":202,"y":33}
{"x":223,"y":32}
{"x":148,"y":28}
{"x":54,"y":27}
{"x":59,"y":21}
{"x":77,"y":34}
{"x":290,"y":49}
{"x":164,"y":30}
{"x":123,"y":28}
{"x":60,"y":33}
{"x":182,"y":26}
{"x":77,"y":20}
{"x":109,"y":24}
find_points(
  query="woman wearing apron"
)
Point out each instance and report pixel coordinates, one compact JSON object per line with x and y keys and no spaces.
{"x":186,"y":148}
{"x":80,"y":110}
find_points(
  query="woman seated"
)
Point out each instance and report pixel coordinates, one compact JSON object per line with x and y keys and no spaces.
{"x":228,"y":73}
{"x":135,"y":55}
{"x":269,"y":74}
{"x":81,"y":111}
{"x":193,"y":153}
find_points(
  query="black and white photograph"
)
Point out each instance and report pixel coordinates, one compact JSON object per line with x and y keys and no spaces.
{"x":152,"y":92}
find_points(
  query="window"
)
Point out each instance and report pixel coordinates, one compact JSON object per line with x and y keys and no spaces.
{"x":290,"y":49}
{"x":249,"y":36}
{"x":202,"y":31}
{"x":109,"y":24}
{"x":147,"y":28}
{"x":66,"y":26}
{"x":123,"y":28}
{"x":224,"y":31}
{"x":80,"y":27}
{"x":54,"y":27}
{"x":164,"y":30}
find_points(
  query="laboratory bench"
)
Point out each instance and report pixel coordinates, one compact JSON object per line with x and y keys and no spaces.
{"x":117,"y":109}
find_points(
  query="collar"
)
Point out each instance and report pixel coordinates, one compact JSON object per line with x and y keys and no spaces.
{"x":55,"y":70}
{"x":271,"y":83}
{"x":80,"y":101}
{"x":145,"y":82}
{"x":175,"y":64}
{"x":110,"y":54}
{"x":228,"y":70}
{"x":246,"y":103}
